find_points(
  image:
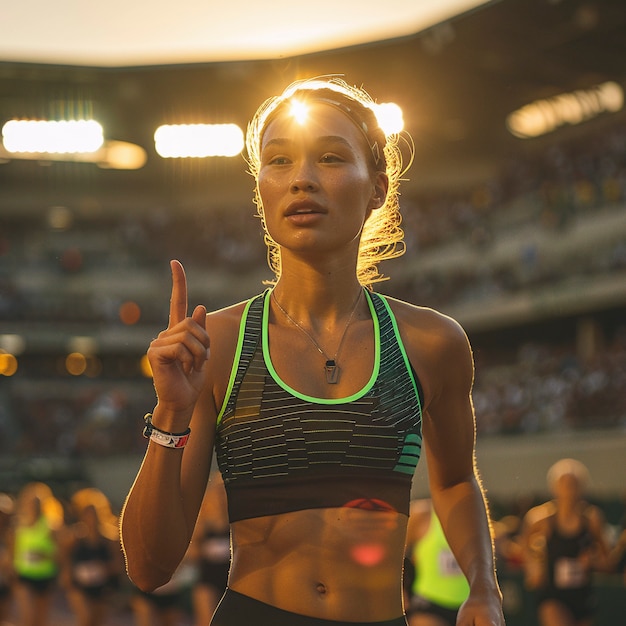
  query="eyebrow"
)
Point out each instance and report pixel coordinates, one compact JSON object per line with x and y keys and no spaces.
{"x":280,"y":141}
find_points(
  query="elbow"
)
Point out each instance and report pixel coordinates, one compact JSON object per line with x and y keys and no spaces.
{"x":147,"y":579}
{"x":143,"y":573}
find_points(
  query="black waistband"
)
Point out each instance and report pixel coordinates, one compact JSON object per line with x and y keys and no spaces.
{"x":236,"y":609}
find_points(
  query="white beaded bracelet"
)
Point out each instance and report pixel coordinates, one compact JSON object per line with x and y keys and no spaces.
{"x":162,"y":437}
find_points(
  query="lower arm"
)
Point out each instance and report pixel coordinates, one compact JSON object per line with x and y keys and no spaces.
{"x":154,"y":531}
{"x":464,"y":517}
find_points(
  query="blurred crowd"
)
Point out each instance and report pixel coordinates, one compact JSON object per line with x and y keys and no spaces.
{"x":61,"y":562}
{"x":542,"y":388}
{"x":548,"y":388}
{"x":567,"y":185}
{"x":456,"y":242}
{"x":565,"y":182}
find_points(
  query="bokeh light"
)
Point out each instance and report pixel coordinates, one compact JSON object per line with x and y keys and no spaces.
{"x":130,"y":313}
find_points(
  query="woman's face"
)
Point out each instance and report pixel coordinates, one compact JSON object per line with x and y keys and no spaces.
{"x":568,"y":487}
{"x":315,"y":182}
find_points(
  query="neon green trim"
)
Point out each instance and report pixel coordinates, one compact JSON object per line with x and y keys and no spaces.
{"x":233,"y":371}
{"x":297,"y":394}
{"x":407,"y":362}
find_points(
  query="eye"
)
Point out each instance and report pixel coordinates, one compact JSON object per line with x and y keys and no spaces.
{"x":330,"y":157}
{"x":278,"y":160}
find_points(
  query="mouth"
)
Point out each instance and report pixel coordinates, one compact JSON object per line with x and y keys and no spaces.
{"x":303,"y":207}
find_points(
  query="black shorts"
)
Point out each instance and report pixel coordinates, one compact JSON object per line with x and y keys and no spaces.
{"x":424,"y":606}
{"x":40,"y":586}
{"x":93,"y":593}
{"x":236,"y":609}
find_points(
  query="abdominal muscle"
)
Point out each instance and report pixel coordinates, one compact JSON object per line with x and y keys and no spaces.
{"x":340,"y":564}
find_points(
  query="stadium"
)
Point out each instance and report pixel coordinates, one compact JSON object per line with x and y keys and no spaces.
{"x":514,"y":212}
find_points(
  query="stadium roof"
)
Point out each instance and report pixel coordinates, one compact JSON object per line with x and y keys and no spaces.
{"x":457,"y":75}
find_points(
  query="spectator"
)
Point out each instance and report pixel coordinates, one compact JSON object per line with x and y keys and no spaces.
{"x":564,"y":543}
{"x":34,"y":545}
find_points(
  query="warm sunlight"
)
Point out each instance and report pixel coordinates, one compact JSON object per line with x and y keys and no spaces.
{"x":299,"y":111}
{"x":388,"y":114}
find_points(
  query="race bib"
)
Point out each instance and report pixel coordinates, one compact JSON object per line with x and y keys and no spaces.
{"x":90,"y":573}
{"x":216,"y":550}
{"x":448,"y":565}
{"x":569,"y":574}
{"x":34,"y":557}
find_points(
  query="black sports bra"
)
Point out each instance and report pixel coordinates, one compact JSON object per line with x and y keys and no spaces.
{"x":279,"y":450}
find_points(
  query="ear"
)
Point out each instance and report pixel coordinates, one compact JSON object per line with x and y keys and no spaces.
{"x":379,"y":192}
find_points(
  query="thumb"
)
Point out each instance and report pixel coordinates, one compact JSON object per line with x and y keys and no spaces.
{"x":199,"y":316}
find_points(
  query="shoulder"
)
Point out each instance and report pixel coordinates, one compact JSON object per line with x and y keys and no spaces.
{"x":68,"y":537}
{"x":595,"y":516}
{"x":436,"y":344}
{"x":423,"y":324}
{"x":539,"y":516}
{"x":229,"y":314}
{"x":226,"y":321}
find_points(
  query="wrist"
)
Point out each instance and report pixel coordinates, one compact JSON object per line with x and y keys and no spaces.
{"x":485,"y":588}
{"x":170,"y":420}
{"x":167,"y":439}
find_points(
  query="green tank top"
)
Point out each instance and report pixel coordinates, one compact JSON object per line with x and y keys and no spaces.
{"x":35,"y":551}
{"x":438,"y":577}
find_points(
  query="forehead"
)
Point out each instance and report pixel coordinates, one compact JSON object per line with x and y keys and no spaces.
{"x":322,"y":120}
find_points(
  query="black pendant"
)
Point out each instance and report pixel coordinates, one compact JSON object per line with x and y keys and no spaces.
{"x":332,"y":372}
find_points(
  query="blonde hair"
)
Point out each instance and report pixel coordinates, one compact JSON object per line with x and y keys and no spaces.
{"x":571,"y":467}
{"x":93,"y":497}
{"x":382,"y":237}
{"x":50,"y":507}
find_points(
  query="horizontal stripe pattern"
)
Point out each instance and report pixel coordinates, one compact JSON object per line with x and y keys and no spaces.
{"x":266,"y":432}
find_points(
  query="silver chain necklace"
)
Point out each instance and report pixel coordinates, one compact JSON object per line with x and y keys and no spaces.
{"x":330,"y":367}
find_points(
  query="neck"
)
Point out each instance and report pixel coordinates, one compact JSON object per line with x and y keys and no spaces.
{"x":326,"y":282}
{"x":566,"y":506}
{"x":309,"y":299}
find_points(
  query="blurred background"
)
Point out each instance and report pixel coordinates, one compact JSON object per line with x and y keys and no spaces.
{"x":514,"y":213}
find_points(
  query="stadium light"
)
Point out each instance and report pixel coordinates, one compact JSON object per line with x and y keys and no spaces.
{"x":52,"y":137}
{"x":198,"y":140}
{"x":544,"y":116}
{"x":67,"y":140}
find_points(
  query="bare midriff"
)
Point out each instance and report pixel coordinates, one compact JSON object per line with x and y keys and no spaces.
{"x":338,"y":564}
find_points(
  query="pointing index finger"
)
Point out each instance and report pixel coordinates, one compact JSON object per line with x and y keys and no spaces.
{"x":178,"y":300}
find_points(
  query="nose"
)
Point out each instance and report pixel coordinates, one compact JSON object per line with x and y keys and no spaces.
{"x":304,"y":179}
{"x":302,"y":184}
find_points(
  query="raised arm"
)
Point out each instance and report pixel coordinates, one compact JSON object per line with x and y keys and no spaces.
{"x":161,"y":509}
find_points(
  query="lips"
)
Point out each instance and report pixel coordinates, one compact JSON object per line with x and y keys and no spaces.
{"x":304,"y":207}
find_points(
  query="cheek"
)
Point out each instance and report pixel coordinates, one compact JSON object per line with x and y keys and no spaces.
{"x":269,"y":187}
{"x":360,"y":189}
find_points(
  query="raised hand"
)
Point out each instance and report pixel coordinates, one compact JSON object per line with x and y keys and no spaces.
{"x":178,"y":356}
